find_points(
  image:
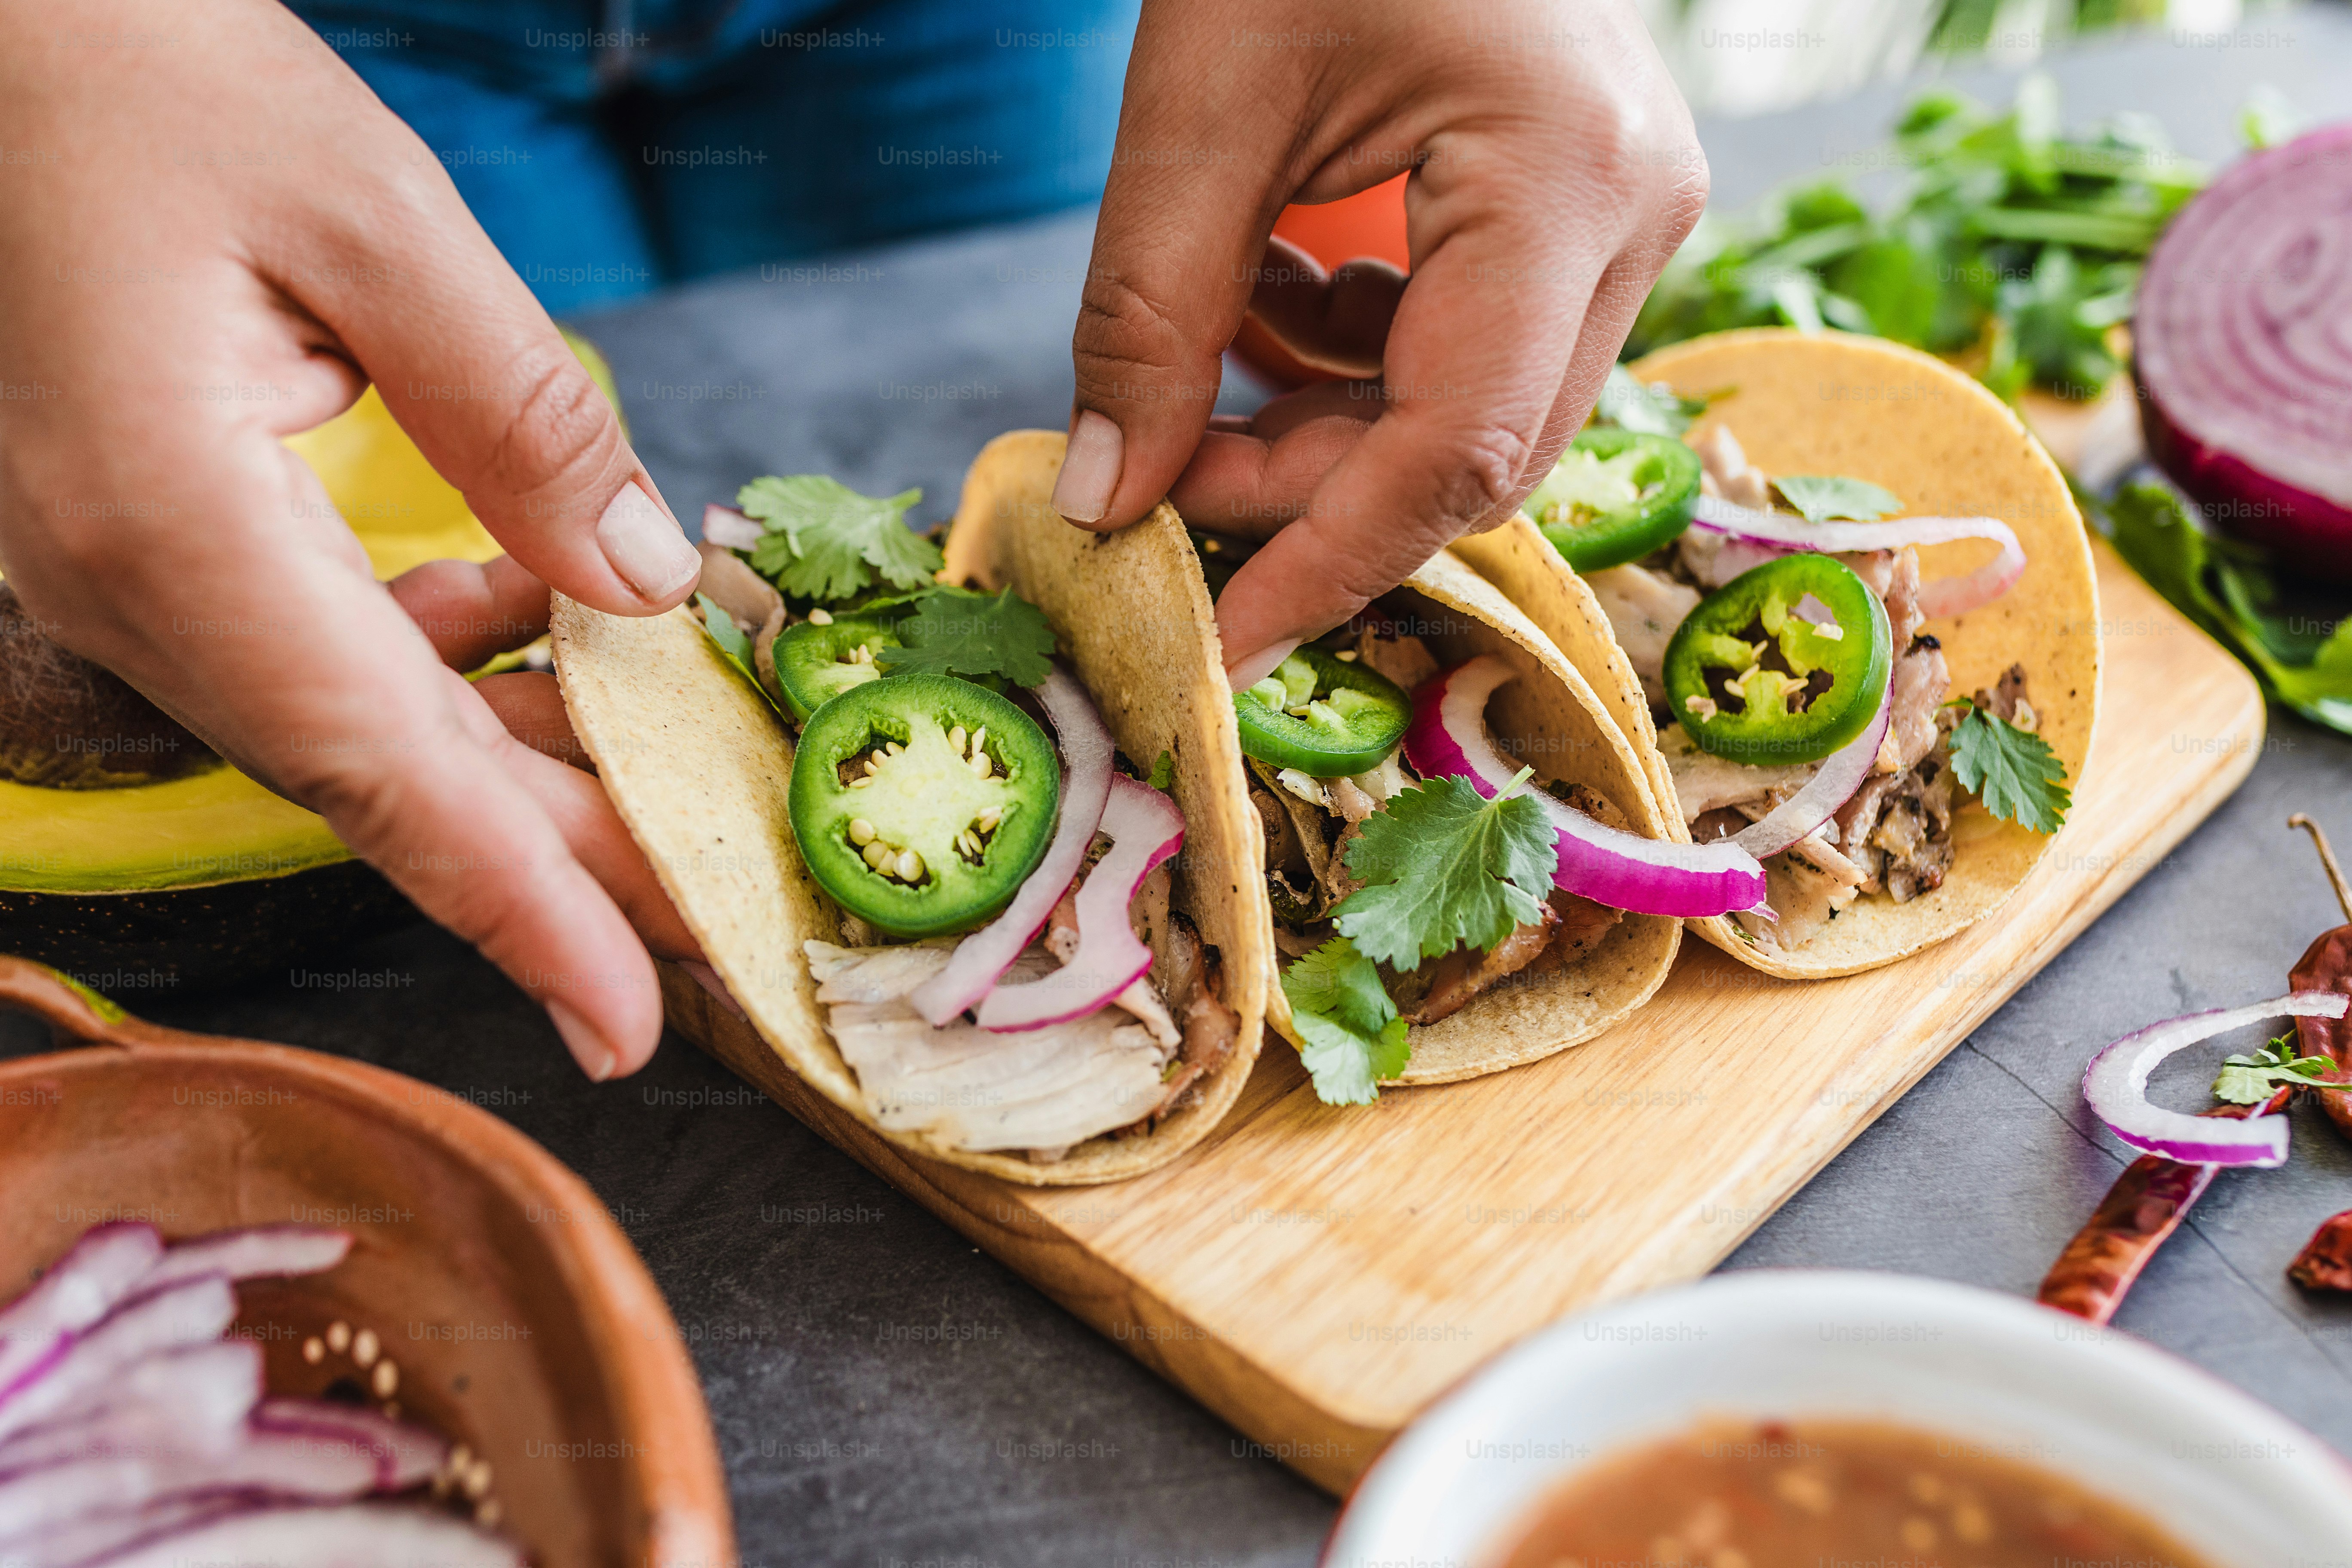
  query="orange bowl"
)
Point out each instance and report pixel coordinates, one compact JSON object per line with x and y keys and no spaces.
{"x":521,"y":1321}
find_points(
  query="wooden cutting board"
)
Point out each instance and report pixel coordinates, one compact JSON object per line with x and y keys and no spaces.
{"x":1316,"y":1274}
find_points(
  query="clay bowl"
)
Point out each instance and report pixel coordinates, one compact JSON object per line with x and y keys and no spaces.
{"x":520,"y":1320}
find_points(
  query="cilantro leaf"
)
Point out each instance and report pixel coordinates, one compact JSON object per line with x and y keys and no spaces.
{"x":1354,"y":1038}
{"x":955,"y":631}
{"x":734,"y":641}
{"x":2013,"y":771}
{"x":1821,"y":497}
{"x":2251,"y":1080}
{"x":1655,"y":409}
{"x":826,"y":541}
{"x":1442,"y":867}
{"x":1163,"y":772}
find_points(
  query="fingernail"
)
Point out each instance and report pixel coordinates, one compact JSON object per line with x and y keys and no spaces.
{"x":1241,"y":673}
{"x":586,"y":1046}
{"x":641,"y":542}
{"x":1090,"y":468}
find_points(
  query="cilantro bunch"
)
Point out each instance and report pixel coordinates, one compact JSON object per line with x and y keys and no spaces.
{"x":1441,"y":868}
{"x":2004,"y":236}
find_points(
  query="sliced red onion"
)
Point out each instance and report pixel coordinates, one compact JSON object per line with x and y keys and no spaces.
{"x":981,"y":958}
{"x":94,"y":1540}
{"x":1145,"y":829}
{"x":2240,"y":348}
{"x":264,"y":1252}
{"x":193,"y":1311}
{"x":1448,"y":738}
{"x":81,"y":1288}
{"x":2115,"y":1086}
{"x":723,"y":525}
{"x":1842,"y":773}
{"x":359,"y":1536}
{"x":405,"y":1455}
{"x":1939,"y":600}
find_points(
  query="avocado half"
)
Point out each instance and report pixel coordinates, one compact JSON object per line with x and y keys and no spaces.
{"x":133,"y":859}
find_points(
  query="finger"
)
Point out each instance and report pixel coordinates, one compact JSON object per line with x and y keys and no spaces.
{"x":472,"y":613}
{"x":582,"y":813}
{"x":1250,"y":487}
{"x":476,"y":373}
{"x":1484,"y":384}
{"x":1175,"y":249}
{"x":529,"y":707}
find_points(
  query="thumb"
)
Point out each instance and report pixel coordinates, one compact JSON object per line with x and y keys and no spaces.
{"x":473,"y":369}
{"x":1193,"y":190}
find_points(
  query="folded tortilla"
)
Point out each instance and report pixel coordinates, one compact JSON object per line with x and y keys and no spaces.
{"x":1834,"y":403}
{"x":1007,"y":531}
{"x":697,"y":765}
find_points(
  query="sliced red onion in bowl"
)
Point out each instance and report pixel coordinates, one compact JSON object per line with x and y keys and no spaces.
{"x":725,"y":526}
{"x":79,"y":1289}
{"x":981,"y":958}
{"x":1840,"y":773}
{"x":358,"y":1535}
{"x":263,"y":1252}
{"x":1939,"y":600}
{"x":2116,"y":1087}
{"x":405,"y":1455}
{"x":1448,"y":738}
{"x":2240,"y":348}
{"x":189,"y":1312}
{"x":1145,"y":829}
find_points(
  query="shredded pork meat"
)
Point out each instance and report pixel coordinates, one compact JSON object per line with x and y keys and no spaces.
{"x":1644,"y":608}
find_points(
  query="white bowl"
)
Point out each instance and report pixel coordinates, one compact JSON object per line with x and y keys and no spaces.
{"x":2226,"y":1475}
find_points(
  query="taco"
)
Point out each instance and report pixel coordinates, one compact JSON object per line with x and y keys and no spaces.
{"x":1844,"y":607}
{"x":1460,"y":965}
{"x":990,"y":836}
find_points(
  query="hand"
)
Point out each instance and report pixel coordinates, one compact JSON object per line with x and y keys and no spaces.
{"x":1554,"y":172}
{"x":219,"y":238}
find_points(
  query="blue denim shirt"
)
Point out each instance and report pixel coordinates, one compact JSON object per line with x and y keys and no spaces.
{"x":610,"y":147}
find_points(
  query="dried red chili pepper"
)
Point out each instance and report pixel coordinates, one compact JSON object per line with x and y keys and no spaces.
{"x":2146,"y":1204}
{"x":2325,"y":1261}
{"x":2326,"y":965}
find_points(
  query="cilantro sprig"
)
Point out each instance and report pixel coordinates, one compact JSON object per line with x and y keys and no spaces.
{"x":1444,"y":868}
{"x":2251,"y":1080}
{"x":2013,"y":771}
{"x":1353,"y":1035}
{"x":733,"y":642}
{"x":957,"y":631}
{"x":826,"y":541}
{"x":1821,"y":497}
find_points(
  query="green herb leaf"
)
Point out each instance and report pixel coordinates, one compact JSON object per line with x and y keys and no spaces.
{"x":827,"y":542}
{"x":2251,"y":1080}
{"x":1821,"y":497}
{"x":1443,"y":867}
{"x":2013,"y":771}
{"x":734,"y":641}
{"x":2223,"y":586}
{"x":1163,"y":772}
{"x":955,"y":631}
{"x":1353,"y":1035}
{"x":1651,"y":410}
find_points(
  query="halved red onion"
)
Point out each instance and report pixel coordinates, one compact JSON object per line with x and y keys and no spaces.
{"x":725,"y":526}
{"x":79,"y":1289}
{"x":361,"y":1535}
{"x":1842,"y":774}
{"x":2116,"y":1087}
{"x":2240,"y":348}
{"x":1939,"y":600}
{"x":1145,"y":829}
{"x":1448,"y":738}
{"x":262,"y":1252}
{"x":981,"y":958}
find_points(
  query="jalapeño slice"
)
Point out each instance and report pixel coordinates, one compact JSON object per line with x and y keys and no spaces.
{"x":1783,"y":664}
{"x":815,"y":662}
{"x":1614,"y":496}
{"x":922,"y":802}
{"x":1322,"y":715}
